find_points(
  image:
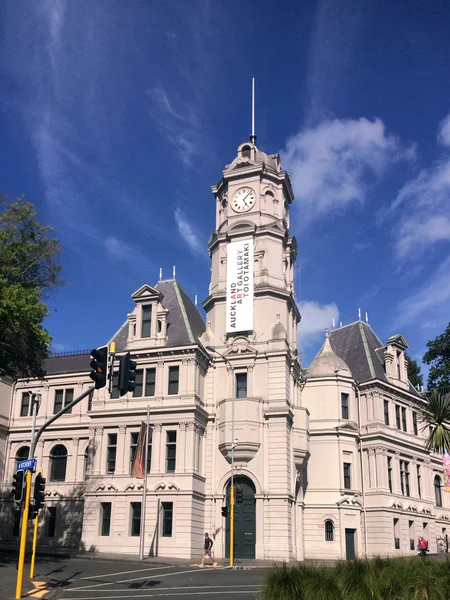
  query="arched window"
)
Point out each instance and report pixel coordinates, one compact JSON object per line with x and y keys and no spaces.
{"x":246,"y":151}
{"x":329,"y":531}
{"x":22,"y":453}
{"x":437,"y":490}
{"x":58,"y":463}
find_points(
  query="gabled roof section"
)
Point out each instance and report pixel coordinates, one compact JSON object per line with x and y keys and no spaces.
{"x":398,"y":340}
{"x":146,"y":292}
{"x":357,"y":345}
{"x":184,"y":322}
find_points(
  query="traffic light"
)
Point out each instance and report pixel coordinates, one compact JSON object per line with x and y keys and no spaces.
{"x":127,"y":374}
{"x":18,"y":486}
{"x":39,"y":491}
{"x":99,"y":366}
{"x":239,"y":495}
{"x":225,"y":511}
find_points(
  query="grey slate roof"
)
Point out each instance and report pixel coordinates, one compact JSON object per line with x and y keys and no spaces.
{"x":57,"y":365}
{"x":357,"y":344}
{"x":363,"y":351}
{"x":184,"y":321}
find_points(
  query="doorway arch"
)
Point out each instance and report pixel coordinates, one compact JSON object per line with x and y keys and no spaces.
{"x":244,"y":519}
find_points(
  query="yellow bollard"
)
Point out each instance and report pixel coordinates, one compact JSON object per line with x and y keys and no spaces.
{"x":35,"y":532}
{"x":231,"y":525}
{"x":23,"y":535}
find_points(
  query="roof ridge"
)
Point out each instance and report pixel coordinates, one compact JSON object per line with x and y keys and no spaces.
{"x":183,"y":311}
{"x":366,"y":350}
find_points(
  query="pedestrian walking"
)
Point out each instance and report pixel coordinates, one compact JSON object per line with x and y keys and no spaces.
{"x":207,"y":550}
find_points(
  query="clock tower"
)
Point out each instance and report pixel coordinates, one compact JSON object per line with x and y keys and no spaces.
{"x":252,"y":318}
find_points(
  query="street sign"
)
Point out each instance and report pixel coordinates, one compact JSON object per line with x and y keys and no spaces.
{"x":27,"y":465}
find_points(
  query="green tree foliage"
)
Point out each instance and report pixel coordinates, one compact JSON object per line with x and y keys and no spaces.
{"x":438,"y":356}
{"x":414,"y":375}
{"x":28,"y":272}
{"x":436,"y":416}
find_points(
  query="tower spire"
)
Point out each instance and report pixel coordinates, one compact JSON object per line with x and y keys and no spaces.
{"x":253,"y":136}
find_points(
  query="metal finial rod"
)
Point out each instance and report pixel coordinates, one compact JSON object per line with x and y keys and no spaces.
{"x":253,"y":136}
{"x":174,"y":272}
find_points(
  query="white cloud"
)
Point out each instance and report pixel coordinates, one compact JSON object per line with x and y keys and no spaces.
{"x":423,"y":209}
{"x":187,"y":233}
{"x":179,"y":122}
{"x":315,"y":319}
{"x":432,"y":300}
{"x":118,"y":249}
{"x":333,"y":164}
{"x":444,"y":131}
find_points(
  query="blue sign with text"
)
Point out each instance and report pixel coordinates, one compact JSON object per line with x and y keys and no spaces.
{"x":27,"y":465}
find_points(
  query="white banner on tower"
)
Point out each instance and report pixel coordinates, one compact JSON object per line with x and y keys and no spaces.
{"x":240,"y":286}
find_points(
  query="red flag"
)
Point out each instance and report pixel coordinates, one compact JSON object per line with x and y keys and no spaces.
{"x":138,"y":469}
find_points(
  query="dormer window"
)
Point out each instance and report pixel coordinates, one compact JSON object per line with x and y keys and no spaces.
{"x":399,"y":370}
{"x":146,"y":320}
{"x":246,"y":151}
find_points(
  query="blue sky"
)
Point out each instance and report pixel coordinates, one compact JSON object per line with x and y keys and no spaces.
{"x":116,"y":117}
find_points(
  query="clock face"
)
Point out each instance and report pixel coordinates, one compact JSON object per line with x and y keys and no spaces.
{"x":243,"y":200}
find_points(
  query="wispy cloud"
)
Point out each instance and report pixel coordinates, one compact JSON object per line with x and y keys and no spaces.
{"x":188,"y":234}
{"x":118,"y":249}
{"x":334,"y":164}
{"x":422,"y":207}
{"x":315,"y":319}
{"x":430,"y":300}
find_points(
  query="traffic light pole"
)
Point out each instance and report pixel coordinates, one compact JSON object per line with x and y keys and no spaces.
{"x":23,"y":535}
{"x":66,"y":409}
{"x":35,"y":531}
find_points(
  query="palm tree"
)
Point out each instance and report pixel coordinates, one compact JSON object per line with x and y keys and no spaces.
{"x":436,"y":416}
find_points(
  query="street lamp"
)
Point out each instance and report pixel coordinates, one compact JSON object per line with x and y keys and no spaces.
{"x":233,"y":444}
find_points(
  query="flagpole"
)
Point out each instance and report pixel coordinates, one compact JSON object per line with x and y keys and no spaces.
{"x":144,"y":492}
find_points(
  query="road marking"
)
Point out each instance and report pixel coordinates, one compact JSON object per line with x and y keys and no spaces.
{"x":42,"y":588}
{"x":87,"y":587}
{"x":122,"y":573}
{"x":169,"y":594}
{"x":191,"y":587}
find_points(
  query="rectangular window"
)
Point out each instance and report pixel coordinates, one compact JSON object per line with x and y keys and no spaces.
{"x":106,"y":517}
{"x":399,"y":372}
{"x":137,"y":392}
{"x":25,"y":406}
{"x":115,"y":386}
{"x":90,"y":398}
{"x":397,"y":416}
{"x":241,"y":385}
{"x":344,"y":406}
{"x":150,"y":379}
{"x":389,"y":464}
{"x":415,"y":423}
{"x":68,"y":398}
{"x":418,"y":482}
{"x":404,"y":477}
{"x":171,"y":451}
{"x":62,"y":399}
{"x":111,"y":452}
{"x":347,"y":478}
{"x":133,"y":447}
{"x":404,"y":419}
{"x":411,"y":535}
{"x":174,"y":377}
{"x":135,"y":518}
{"x":167,"y":519}
{"x":59,"y":399}
{"x":386,"y":412}
{"x":396,"y":534}
{"x":51,"y":521}
{"x":146,"y":320}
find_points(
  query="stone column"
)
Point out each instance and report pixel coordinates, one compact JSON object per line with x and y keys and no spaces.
{"x":121,"y":446}
{"x":382,"y":472}
{"x":159,"y":384}
{"x":372,"y":468}
{"x":250,"y":381}
{"x":156,"y":448}
{"x":98,"y":450}
{"x":182,"y":448}
{"x":74,"y":470}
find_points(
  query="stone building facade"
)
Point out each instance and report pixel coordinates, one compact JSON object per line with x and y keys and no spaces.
{"x":329,"y":460}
